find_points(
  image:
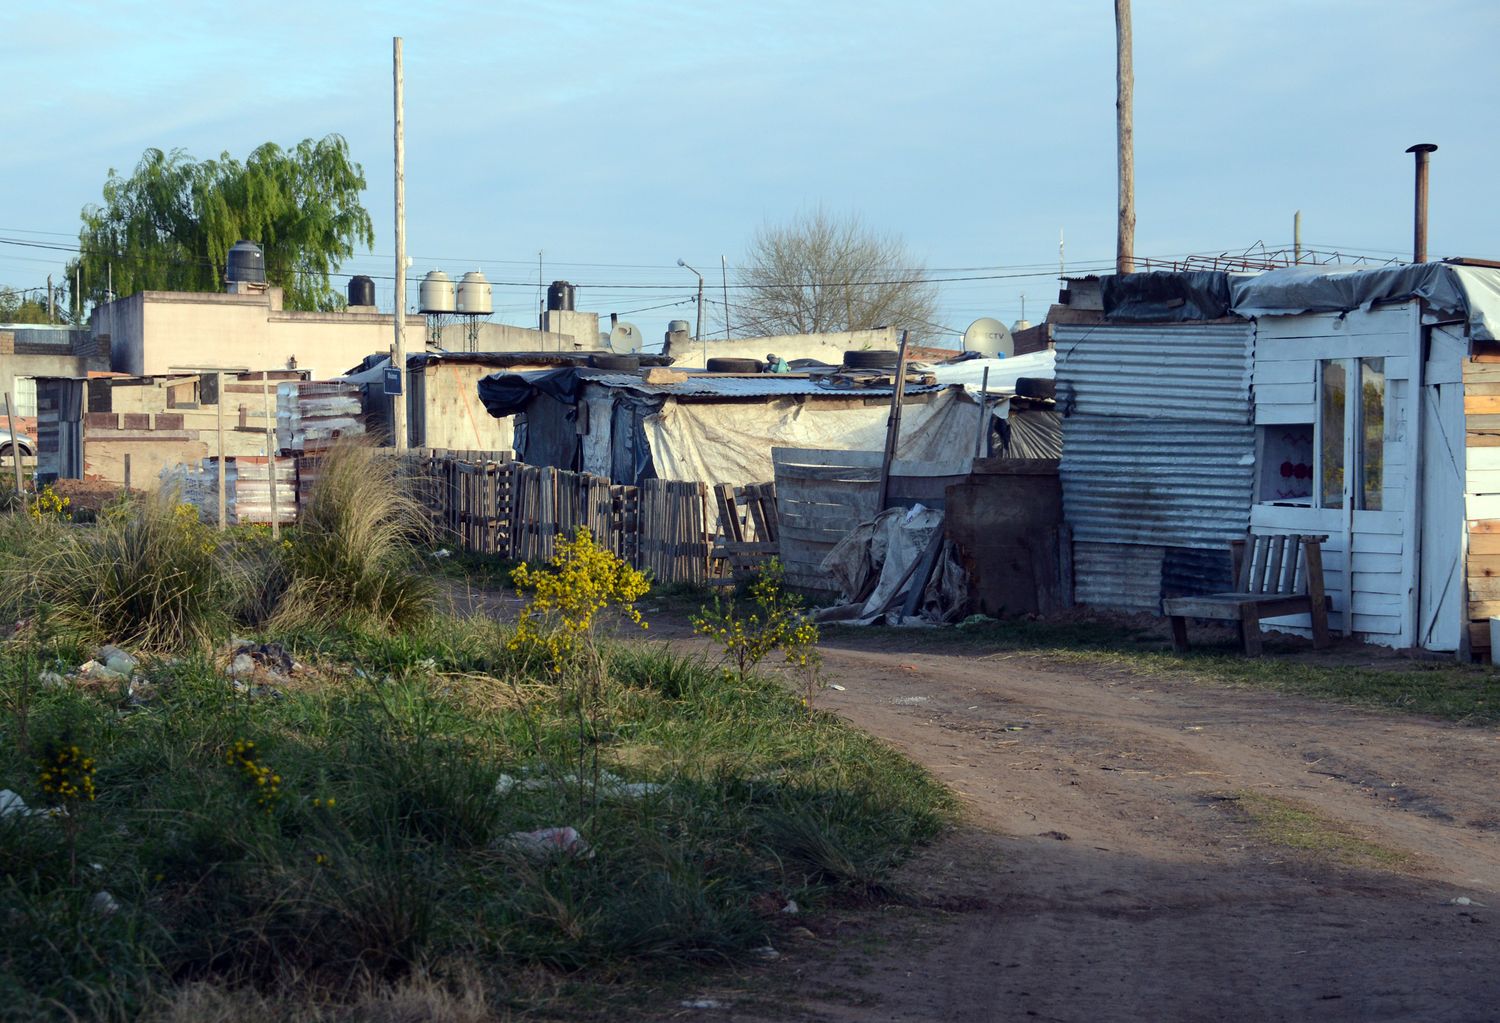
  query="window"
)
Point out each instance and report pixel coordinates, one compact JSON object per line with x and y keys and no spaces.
{"x":1351,"y":434}
{"x":1371,"y":433}
{"x":1331,"y":389}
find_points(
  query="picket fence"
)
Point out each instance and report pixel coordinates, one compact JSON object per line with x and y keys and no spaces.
{"x":489,"y":503}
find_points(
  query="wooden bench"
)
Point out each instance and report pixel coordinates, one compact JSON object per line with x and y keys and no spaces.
{"x":1273,"y":576}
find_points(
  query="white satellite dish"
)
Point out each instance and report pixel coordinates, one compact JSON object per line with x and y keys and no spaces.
{"x":990,"y":338}
{"x":625,"y":338}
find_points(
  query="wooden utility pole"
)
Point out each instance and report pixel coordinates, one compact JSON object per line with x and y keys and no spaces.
{"x":15,"y":445}
{"x":398,"y":349}
{"x":1124,"y":99}
{"x":893,"y":426}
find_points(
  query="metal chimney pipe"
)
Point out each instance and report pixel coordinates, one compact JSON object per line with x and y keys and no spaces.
{"x":1419,"y":228}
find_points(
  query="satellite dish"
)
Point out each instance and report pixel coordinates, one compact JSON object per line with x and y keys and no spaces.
{"x":990,"y":338}
{"x":625,"y":338}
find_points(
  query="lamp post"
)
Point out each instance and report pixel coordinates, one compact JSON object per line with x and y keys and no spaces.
{"x":698,"y":336}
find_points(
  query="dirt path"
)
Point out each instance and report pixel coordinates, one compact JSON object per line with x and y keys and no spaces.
{"x":1126,"y":857}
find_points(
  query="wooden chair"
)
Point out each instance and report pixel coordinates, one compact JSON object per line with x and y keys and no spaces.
{"x":1273,"y":576}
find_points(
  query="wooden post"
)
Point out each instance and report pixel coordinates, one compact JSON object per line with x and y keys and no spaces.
{"x":1124,"y":100}
{"x":219,"y":377}
{"x":984,"y":413}
{"x":265,"y":393}
{"x":15,"y":446}
{"x":893,"y":425}
{"x":127,"y":472}
{"x":398,"y":348}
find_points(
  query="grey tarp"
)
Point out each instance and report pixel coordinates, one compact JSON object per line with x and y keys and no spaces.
{"x":1467,"y":291}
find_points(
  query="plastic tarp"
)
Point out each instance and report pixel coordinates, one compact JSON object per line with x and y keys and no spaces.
{"x":1166,"y":296}
{"x":886,"y":548}
{"x":1033,"y":434}
{"x":731,"y":443}
{"x":1003,"y":372}
{"x":1468,"y":291}
{"x":506,"y":394}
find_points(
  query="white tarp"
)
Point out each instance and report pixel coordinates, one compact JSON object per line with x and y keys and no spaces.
{"x":1003,"y":372}
{"x":731,"y":443}
{"x":887,"y":547}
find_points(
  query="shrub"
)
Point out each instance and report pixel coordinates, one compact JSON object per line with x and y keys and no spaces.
{"x":147,"y":575}
{"x":354,"y":558}
{"x":772,"y":619}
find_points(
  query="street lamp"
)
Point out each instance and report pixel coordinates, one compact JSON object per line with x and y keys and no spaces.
{"x":698,"y":336}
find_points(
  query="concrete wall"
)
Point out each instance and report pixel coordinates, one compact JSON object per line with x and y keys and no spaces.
{"x":583,"y":328}
{"x":444,"y":410}
{"x":498,"y":337}
{"x":829,"y":348}
{"x":153,"y":331}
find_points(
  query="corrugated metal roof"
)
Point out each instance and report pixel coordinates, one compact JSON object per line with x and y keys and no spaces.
{"x":1189,"y":371}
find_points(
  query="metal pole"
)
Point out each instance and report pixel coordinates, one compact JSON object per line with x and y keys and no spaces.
{"x":1297,"y":237}
{"x":265,"y":393}
{"x":223,"y":517}
{"x":15,"y":446}
{"x":724,"y":266}
{"x":984,"y":412}
{"x":1419,"y":226}
{"x":398,"y":351}
{"x":1124,"y":98}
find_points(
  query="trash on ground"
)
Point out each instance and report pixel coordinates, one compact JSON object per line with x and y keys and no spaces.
{"x":836,"y":687}
{"x":12,"y":805}
{"x":104,"y":904}
{"x":548,"y":843}
{"x":791,"y":907}
{"x":765,"y":952}
{"x":702,"y":1003}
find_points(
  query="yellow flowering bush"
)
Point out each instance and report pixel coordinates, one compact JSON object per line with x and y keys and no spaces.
{"x":774,"y":620}
{"x":48,"y":504}
{"x":65,"y":775}
{"x":582,"y":580}
{"x":260,"y":778}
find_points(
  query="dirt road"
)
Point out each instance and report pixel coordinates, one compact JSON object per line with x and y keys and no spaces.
{"x":1162,"y":851}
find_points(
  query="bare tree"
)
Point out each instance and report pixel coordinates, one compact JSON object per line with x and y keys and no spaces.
{"x":823,"y":273}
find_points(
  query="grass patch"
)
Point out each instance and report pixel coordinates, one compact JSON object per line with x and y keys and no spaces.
{"x":1444,"y":689}
{"x":1290,"y":825}
{"x":379,"y":869}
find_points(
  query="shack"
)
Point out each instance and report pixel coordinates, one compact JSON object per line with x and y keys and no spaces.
{"x":1360,"y":403}
{"x":716,"y":428}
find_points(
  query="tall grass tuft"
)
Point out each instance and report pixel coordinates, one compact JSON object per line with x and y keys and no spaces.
{"x":146,"y":576}
{"x":354,"y":558}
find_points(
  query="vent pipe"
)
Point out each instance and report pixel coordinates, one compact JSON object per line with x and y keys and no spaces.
{"x":1419,"y":226}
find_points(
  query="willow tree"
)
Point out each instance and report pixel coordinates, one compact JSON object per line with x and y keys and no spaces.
{"x":170,"y":224}
{"x":822,"y":273}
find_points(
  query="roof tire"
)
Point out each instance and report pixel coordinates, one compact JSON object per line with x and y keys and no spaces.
{"x":1036,"y":387}
{"x":728,"y":365}
{"x":870,"y":359}
{"x":625,"y":362}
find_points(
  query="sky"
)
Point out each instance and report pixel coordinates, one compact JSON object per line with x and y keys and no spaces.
{"x":614,"y":139}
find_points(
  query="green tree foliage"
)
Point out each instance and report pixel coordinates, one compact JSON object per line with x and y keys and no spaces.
{"x":23,"y":307}
{"x":170,"y":224}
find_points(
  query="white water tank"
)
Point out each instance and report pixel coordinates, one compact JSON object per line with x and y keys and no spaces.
{"x":436,"y":293}
{"x":474,"y":298}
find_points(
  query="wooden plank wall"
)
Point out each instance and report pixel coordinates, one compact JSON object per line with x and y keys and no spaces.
{"x":517,"y":511}
{"x":820,"y":496}
{"x":1482,"y":495}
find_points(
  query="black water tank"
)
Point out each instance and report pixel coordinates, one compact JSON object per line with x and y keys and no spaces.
{"x":560,"y":297}
{"x":361,"y":290}
{"x":247,"y":264}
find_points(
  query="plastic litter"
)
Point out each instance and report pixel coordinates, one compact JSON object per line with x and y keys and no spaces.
{"x":116,"y":660}
{"x":702,"y":1003}
{"x":12,"y":805}
{"x":104,"y":904}
{"x":1464,"y":900}
{"x":765,"y":952}
{"x":548,"y":843}
{"x":835,"y":687}
{"x":791,"y":908}
{"x":441,"y":553}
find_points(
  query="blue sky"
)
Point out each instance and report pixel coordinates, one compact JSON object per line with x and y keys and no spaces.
{"x":615,"y":138}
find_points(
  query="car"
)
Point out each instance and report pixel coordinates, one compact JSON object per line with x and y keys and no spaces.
{"x":12,"y":442}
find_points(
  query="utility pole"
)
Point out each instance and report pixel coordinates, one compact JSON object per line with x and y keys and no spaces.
{"x":724,"y":266}
{"x":51,"y":302}
{"x":1124,"y":99}
{"x":698,"y":336}
{"x":1297,"y":237}
{"x":398,"y":351}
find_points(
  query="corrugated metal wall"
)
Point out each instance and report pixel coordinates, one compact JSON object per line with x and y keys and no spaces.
{"x":1158,"y":455}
